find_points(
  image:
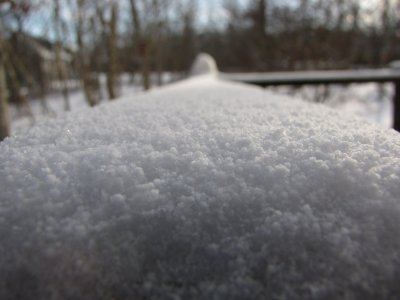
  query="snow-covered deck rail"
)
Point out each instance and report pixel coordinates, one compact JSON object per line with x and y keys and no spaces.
{"x":326,"y":77}
{"x":203,"y":189}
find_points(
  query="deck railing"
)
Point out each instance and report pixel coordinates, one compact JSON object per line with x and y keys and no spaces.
{"x":326,"y":77}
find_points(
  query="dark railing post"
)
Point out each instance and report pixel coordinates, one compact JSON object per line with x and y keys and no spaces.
{"x":396,"y":106}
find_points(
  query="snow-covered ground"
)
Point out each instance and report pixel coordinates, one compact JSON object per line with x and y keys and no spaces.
{"x":372,"y":102}
{"x":201,"y":190}
{"x":22,"y":121}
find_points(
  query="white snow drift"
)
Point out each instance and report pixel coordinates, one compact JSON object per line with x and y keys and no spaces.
{"x":201,"y":190}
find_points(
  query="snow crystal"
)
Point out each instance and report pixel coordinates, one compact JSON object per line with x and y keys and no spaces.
{"x":201,"y":190}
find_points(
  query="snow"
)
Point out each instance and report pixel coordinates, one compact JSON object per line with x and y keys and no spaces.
{"x":203,"y":189}
{"x":204,"y":64}
{"x":22,"y":121}
{"x":370,"y":101}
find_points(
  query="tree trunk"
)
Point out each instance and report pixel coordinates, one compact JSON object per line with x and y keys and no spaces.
{"x":396,"y":106}
{"x":146,"y":67}
{"x":142,"y":45}
{"x":4,"y":115}
{"x":112,"y":53}
{"x":15,"y":89}
{"x":385,"y":33}
{"x":160,"y":67}
{"x":62,"y":77}
{"x":86,"y":78}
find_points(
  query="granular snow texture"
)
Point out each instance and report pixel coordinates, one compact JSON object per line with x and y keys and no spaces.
{"x":201,"y":190}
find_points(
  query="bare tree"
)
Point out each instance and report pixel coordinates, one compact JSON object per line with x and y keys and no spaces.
{"x":143,"y":44}
{"x":258,"y":33}
{"x":112,"y":51}
{"x":16,"y":71}
{"x":11,"y":65}
{"x":147,"y":25}
{"x":61,"y":68}
{"x":386,"y":24}
{"x":109,"y":32}
{"x":90,"y":84}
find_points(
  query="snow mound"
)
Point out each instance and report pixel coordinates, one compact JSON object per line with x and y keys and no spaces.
{"x":201,"y":190}
{"x":204,"y":64}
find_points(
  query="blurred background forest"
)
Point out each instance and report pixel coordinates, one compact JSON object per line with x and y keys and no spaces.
{"x":56,"y":47}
